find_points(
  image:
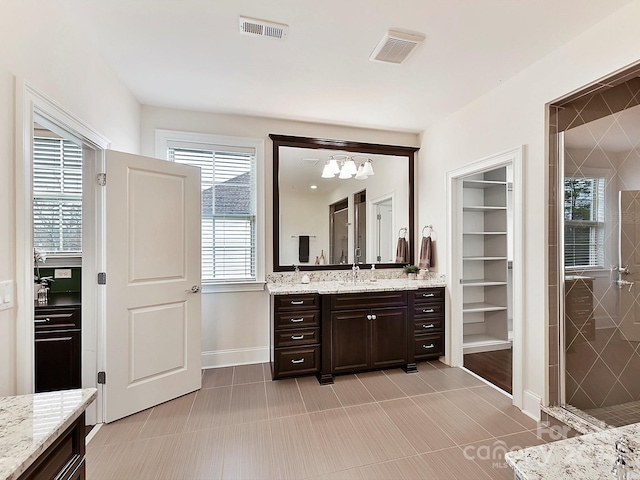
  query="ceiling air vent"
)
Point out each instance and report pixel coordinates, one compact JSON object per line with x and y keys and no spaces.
{"x":261,"y":28}
{"x":395,"y":46}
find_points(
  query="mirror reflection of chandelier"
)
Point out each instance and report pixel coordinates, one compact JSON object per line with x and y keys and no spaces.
{"x":346,"y":166}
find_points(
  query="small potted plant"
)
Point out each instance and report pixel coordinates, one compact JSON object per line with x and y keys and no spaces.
{"x":38,"y":280}
{"x":411,"y":271}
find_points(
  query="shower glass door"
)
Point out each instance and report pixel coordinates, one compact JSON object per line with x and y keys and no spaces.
{"x":601,"y":260}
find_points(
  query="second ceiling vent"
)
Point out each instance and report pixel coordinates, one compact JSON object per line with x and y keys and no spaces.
{"x":396,"y":46}
{"x":262,"y":28}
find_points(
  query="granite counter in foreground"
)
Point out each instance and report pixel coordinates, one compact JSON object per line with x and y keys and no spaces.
{"x":585,"y":457}
{"x":333,"y":287}
{"x":29,"y":424}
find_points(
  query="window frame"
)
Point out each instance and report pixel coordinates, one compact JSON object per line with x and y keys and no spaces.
{"x":163,"y":138}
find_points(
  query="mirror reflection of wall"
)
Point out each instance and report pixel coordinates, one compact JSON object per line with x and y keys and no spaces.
{"x":305,"y":197}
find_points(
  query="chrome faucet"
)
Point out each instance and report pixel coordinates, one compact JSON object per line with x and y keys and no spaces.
{"x":355,"y":271}
{"x":621,"y":469}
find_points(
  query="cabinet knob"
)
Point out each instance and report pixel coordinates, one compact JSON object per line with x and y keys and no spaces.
{"x":427,"y":347}
{"x":300,"y":360}
{"x":369,"y":317}
{"x":428,"y":310}
{"x":374,"y":317}
{"x":297,"y":337}
{"x":297,"y":320}
{"x":431,"y":325}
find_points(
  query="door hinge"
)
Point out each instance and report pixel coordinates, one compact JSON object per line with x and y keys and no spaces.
{"x":102,"y":378}
{"x":101,"y":179}
{"x":379,"y":216}
{"x":102,"y":278}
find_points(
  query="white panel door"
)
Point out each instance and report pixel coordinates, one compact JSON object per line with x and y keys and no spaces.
{"x":152,"y":330}
{"x":630,"y":257}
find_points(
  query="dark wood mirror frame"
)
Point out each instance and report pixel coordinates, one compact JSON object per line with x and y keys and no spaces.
{"x":323,"y":143}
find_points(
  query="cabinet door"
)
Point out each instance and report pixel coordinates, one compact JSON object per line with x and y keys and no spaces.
{"x":57,"y":360}
{"x":350,"y":340}
{"x":389,"y":337}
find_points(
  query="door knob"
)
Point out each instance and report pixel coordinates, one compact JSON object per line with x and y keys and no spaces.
{"x":194,"y":289}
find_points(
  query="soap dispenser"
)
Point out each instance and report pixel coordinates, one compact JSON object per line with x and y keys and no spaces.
{"x":373,"y":273}
{"x":305,"y":278}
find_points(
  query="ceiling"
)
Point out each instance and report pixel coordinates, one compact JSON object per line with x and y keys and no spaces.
{"x":190,"y":55}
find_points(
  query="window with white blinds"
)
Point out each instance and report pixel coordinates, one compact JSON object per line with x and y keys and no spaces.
{"x":584,"y":222}
{"x":228,"y":176}
{"x":57,"y":196}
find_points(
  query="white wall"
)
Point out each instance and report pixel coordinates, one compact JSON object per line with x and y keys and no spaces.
{"x":38,"y":45}
{"x":236,"y":325}
{"x":512,"y":115}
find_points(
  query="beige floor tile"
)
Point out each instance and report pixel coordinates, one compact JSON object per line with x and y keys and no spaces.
{"x":211,"y":408}
{"x":410,"y":383}
{"x":123,"y":430}
{"x":217,"y":377}
{"x":350,"y":474}
{"x":340,"y":443}
{"x":248,"y":374}
{"x":284,"y":398}
{"x":248,"y":403}
{"x":504,"y":404}
{"x":465,"y":378}
{"x":296,"y":448}
{"x":451,"y":464}
{"x":486,"y":415}
{"x":317,"y":397}
{"x":381,"y":471}
{"x":195,"y":456}
{"x":380,"y":386}
{"x":137,"y":459}
{"x":439,"y":380}
{"x":458,"y":425}
{"x":248,"y":452}
{"x":384,"y":439}
{"x":266,"y":371}
{"x":168,"y":418}
{"x":418,"y":428}
{"x":433,"y":364}
{"x":351,"y":391}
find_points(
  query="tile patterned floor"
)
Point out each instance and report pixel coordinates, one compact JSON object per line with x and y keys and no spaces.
{"x":617,"y":415}
{"x":439,"y":423}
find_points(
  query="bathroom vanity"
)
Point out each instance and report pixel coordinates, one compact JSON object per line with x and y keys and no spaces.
{"x":330,"y":327}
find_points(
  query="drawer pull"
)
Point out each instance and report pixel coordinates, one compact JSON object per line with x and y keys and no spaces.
{"x":297,"y":302}
{"x":431,"y":325}
{"x":44,"y":320}
{"x":297,"y":320}
{"x":428,"y":310}
{"x":297,"y":337}
{"x":427,"y":347}
{"x":297,"y":361}
{"x":428,"y":295}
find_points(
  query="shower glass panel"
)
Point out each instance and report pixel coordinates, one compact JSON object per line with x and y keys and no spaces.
{"x":601,"y":258}
{"x":339,"y":230}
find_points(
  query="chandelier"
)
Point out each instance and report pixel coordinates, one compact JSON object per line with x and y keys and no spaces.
{"x":346,"y":166}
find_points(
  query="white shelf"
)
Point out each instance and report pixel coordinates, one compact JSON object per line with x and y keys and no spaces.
{"x":484,"y":233}
{"x":483,"y":208}
{"x":481,"y":282}
{"x":483,"y":343}
{"x":481,"y":307}
{"x":481,"y":259}
{"x":482,"y":183}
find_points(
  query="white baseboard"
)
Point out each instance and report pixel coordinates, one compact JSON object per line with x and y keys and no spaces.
{"x":237,"y":356}
{"x":531,"y":405}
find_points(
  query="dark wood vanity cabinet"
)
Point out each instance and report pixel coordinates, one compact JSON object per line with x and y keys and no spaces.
{"x":57,"y":348}
{"x":368,"y":338}
{"x":295,"y":335}
{"x":427,"y":307}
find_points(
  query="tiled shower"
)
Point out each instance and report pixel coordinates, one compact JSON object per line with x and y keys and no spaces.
{"x":594,"y":238}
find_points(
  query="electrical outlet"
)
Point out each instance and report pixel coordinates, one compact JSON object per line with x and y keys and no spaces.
{"x":62,"y":273}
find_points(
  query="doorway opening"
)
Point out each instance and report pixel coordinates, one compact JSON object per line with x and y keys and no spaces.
{"x":598,"y":267}
{"x":339,"y":232}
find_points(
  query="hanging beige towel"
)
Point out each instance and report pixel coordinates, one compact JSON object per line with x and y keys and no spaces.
{"x":401,"y":250}
{"x":425,"y":253}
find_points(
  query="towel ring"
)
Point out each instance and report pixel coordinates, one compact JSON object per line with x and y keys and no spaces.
{"x":403,"y":232}
{"x":430,"y":227}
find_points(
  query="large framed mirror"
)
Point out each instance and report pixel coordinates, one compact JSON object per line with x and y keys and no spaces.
{"x":338,"y":202}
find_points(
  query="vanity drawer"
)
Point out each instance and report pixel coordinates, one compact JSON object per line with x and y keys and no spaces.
{"x":348,"y":301}
{"x":297,"y":319}
{"x":428,"y":295}
{"x":428,"y":325}
{"x":291,"y":337}
{"x":429,"y":346}
{"x":296,"y":361}
{"x":57,"y":318}
{"x":429,"y":310}
{"x":296,"y":302}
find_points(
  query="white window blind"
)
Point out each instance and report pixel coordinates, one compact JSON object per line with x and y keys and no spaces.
{"x":228,"y":176}
{"x":584,"y":222}
{"x":57,"y":196}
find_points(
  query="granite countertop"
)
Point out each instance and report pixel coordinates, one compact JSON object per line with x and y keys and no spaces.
{"x":585,"y":457}
{"x":29,"y":424}
{"x":333,"y":286}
